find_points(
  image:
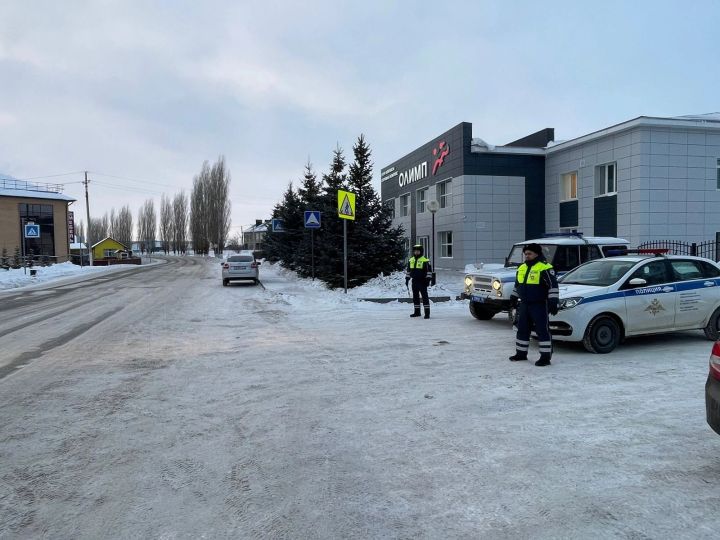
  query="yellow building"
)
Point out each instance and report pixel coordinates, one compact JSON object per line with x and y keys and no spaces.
{"x":23,"y":203}
{"x":107,"y":248}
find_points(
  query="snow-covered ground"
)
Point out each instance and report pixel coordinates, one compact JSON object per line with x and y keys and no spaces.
{"x":179,"y":408}
{"x":14,"y":278}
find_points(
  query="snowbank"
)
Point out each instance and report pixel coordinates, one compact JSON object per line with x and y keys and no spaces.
{"x":12,"y":279}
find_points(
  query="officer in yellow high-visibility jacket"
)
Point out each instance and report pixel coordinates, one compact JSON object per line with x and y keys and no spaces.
{"x":536,"y":289}
{"x":418,"y":270}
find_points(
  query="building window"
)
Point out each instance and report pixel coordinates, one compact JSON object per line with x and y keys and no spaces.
{"x":444,"y":193}
{"x":109,"y":253}
{"x":40,"y":214}
{"x":606,"y":179}
{"x":421,"y":200}
{"x":446,"y":244}
{"x":405,"y":205}
{"x":424,"y":241}
{"x":568,"y":186}
{"x":406,"y":249}
{"x":391,"y":208}
{"x":718,"y":173}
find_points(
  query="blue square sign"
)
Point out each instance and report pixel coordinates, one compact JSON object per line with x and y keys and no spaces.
{"x":32,"y":231}
{"x":278,"y":225}
{"x":312,"y":219}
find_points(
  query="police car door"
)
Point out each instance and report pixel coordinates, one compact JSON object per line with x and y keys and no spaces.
{"x":650,"y":307}
{"x":698,"y":292}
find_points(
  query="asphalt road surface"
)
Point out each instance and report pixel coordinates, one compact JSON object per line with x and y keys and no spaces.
{"x":156,"y":403}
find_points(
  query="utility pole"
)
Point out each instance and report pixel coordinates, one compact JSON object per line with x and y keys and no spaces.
{"x":87,"y":236}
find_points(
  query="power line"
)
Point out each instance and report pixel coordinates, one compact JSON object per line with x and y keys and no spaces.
{"x":131,"y":179}
{"x":126,"y":188}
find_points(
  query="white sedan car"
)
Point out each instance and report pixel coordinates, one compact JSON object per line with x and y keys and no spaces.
{"x":606,"y":300}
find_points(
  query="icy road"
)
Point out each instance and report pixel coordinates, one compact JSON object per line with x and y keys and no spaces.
{"x":159,"y":404}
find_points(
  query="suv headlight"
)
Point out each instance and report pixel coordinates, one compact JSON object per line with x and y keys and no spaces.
{"x":569,"y":303}
{"x":497,"y":284}
{"x":468,"y":282}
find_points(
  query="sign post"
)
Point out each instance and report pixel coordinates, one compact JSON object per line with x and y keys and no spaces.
{"x":312,"y":222}
{"x":31,"y":230}
{"x":346,"y":210}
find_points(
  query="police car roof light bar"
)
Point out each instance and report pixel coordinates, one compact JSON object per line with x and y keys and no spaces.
{"x":658,"y":252}
{"x":570,"y":233}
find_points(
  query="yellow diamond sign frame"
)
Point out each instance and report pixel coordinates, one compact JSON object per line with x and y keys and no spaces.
{"x":346,"y":204}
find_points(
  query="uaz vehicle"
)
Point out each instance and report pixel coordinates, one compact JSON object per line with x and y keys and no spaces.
{"x":604,"y":301}
{"x":712,"y":390}
{"x":240,"y":267}
{"x":488,"y":288}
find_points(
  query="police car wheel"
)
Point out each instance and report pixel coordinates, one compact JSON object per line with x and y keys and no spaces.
{"x":480,"y":312}
{"x":225,"y":282}
{"x":712,"y":330}
{"x":602,"y":335}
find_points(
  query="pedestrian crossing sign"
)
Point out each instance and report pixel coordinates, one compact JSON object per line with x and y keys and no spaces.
{"x":312,"y":219}
{"x":346,"y":204}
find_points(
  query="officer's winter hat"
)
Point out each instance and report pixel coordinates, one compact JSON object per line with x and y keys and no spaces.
{"x":535,"y":248}
{"x":418,"y":247}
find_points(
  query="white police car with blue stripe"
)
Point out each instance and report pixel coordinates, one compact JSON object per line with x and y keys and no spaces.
{"x":606,"y":300}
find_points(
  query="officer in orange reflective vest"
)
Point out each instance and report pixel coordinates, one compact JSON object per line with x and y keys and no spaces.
{"x":418,"y":270}
{"x":536,"y":289}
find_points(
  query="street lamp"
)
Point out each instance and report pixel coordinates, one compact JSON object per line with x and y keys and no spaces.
{"x":433,"y":206}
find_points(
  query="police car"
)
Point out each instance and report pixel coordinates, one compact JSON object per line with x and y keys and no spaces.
{"x":488,"y":286}
{"x":606,"y":300}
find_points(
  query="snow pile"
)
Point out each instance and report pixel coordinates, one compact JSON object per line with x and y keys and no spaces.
{"x":14,"y":278}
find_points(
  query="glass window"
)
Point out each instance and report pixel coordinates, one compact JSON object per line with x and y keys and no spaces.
{"x":405,"y":205}
{"x":566,"y":258}
{"x":686,"y":270}
{"x":709,"y":270}
{"x":718,"y":173}
{"x":446,"y":244}
{"x":406,"y":249}
{"x":421,"y":200}
{"x":568,"y":186}
{"x":391,"y":208}
{"x":655,"y":273}
{"x":609,"y":251}
{"x":444,"y":193}
{"x":589,"y":253}
{"x":241,"y":258}
{"x":599,"y":273}
{"x":424,"y":241}
{"x":606,"y":179}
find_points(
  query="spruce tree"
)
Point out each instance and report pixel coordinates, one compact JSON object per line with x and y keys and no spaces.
{"x":284,"y":246}
{"x":17,"y":258}
{"x":4,"y":261}
{"x":309,"y":199}
{"x":376,"y":245}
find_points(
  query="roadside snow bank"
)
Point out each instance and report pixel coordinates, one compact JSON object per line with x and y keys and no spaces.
{"x":12,"y":279}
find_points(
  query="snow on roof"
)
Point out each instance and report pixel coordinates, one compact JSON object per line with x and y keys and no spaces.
{"x":78,"y":245}
{"x":109,"y":238}
{"x":707,"y":117}
{"x":263,"y":227}
{"x":32,"y":194}
{"x":575,"y":240}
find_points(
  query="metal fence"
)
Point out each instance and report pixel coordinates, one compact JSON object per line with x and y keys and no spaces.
{"x":709,"y":249}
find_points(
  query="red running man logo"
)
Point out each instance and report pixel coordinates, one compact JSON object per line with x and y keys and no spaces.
{"x":440,"y":154}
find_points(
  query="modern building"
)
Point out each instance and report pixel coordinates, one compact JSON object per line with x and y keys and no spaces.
{"x":22,"y":203}
{"x":645,"y":179}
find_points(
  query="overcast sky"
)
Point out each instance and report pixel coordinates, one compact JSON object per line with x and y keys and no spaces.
{"x":148,"y":90}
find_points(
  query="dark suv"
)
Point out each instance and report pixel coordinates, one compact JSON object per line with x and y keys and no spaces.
{"x":712,"y":390}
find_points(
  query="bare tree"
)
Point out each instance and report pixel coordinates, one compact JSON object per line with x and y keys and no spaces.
{"x":219,"y":204}
{"x":166,"y":223}
{"x":199,"y":211}
{"x":147,"y":226}
{"x":97,"y":230}
{"x":180,"y":222}
{"x":123,"y":227}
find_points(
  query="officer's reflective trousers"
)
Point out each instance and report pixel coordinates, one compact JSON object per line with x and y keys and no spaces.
{"x":533,"y":315}
{"x":419,"y":288}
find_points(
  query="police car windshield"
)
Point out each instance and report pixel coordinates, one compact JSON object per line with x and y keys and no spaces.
{"x":516,"y":257}
{"x":600,"y":273}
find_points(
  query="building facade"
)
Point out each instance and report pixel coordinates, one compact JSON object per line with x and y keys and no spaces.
{"x":44,"y":205}
{"x":645,"y":179}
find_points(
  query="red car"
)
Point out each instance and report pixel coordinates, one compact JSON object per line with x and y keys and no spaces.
{"x":712,"y":390}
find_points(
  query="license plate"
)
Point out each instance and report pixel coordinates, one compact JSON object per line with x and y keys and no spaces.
{"x":238,"y":267}
{"x":478,"y":299}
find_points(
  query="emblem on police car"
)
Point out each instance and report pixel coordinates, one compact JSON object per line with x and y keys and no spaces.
{"x":655,"y":307}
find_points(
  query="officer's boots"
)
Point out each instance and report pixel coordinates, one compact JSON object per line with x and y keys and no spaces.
{"x":416,"y":313}
{"x":518,"y":356}
{"x":427,"y":312}
{"x":544,"y":360}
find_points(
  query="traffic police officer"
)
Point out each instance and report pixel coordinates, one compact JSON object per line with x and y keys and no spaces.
{"x":536,"y":289}
{"x":418,"y":270}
